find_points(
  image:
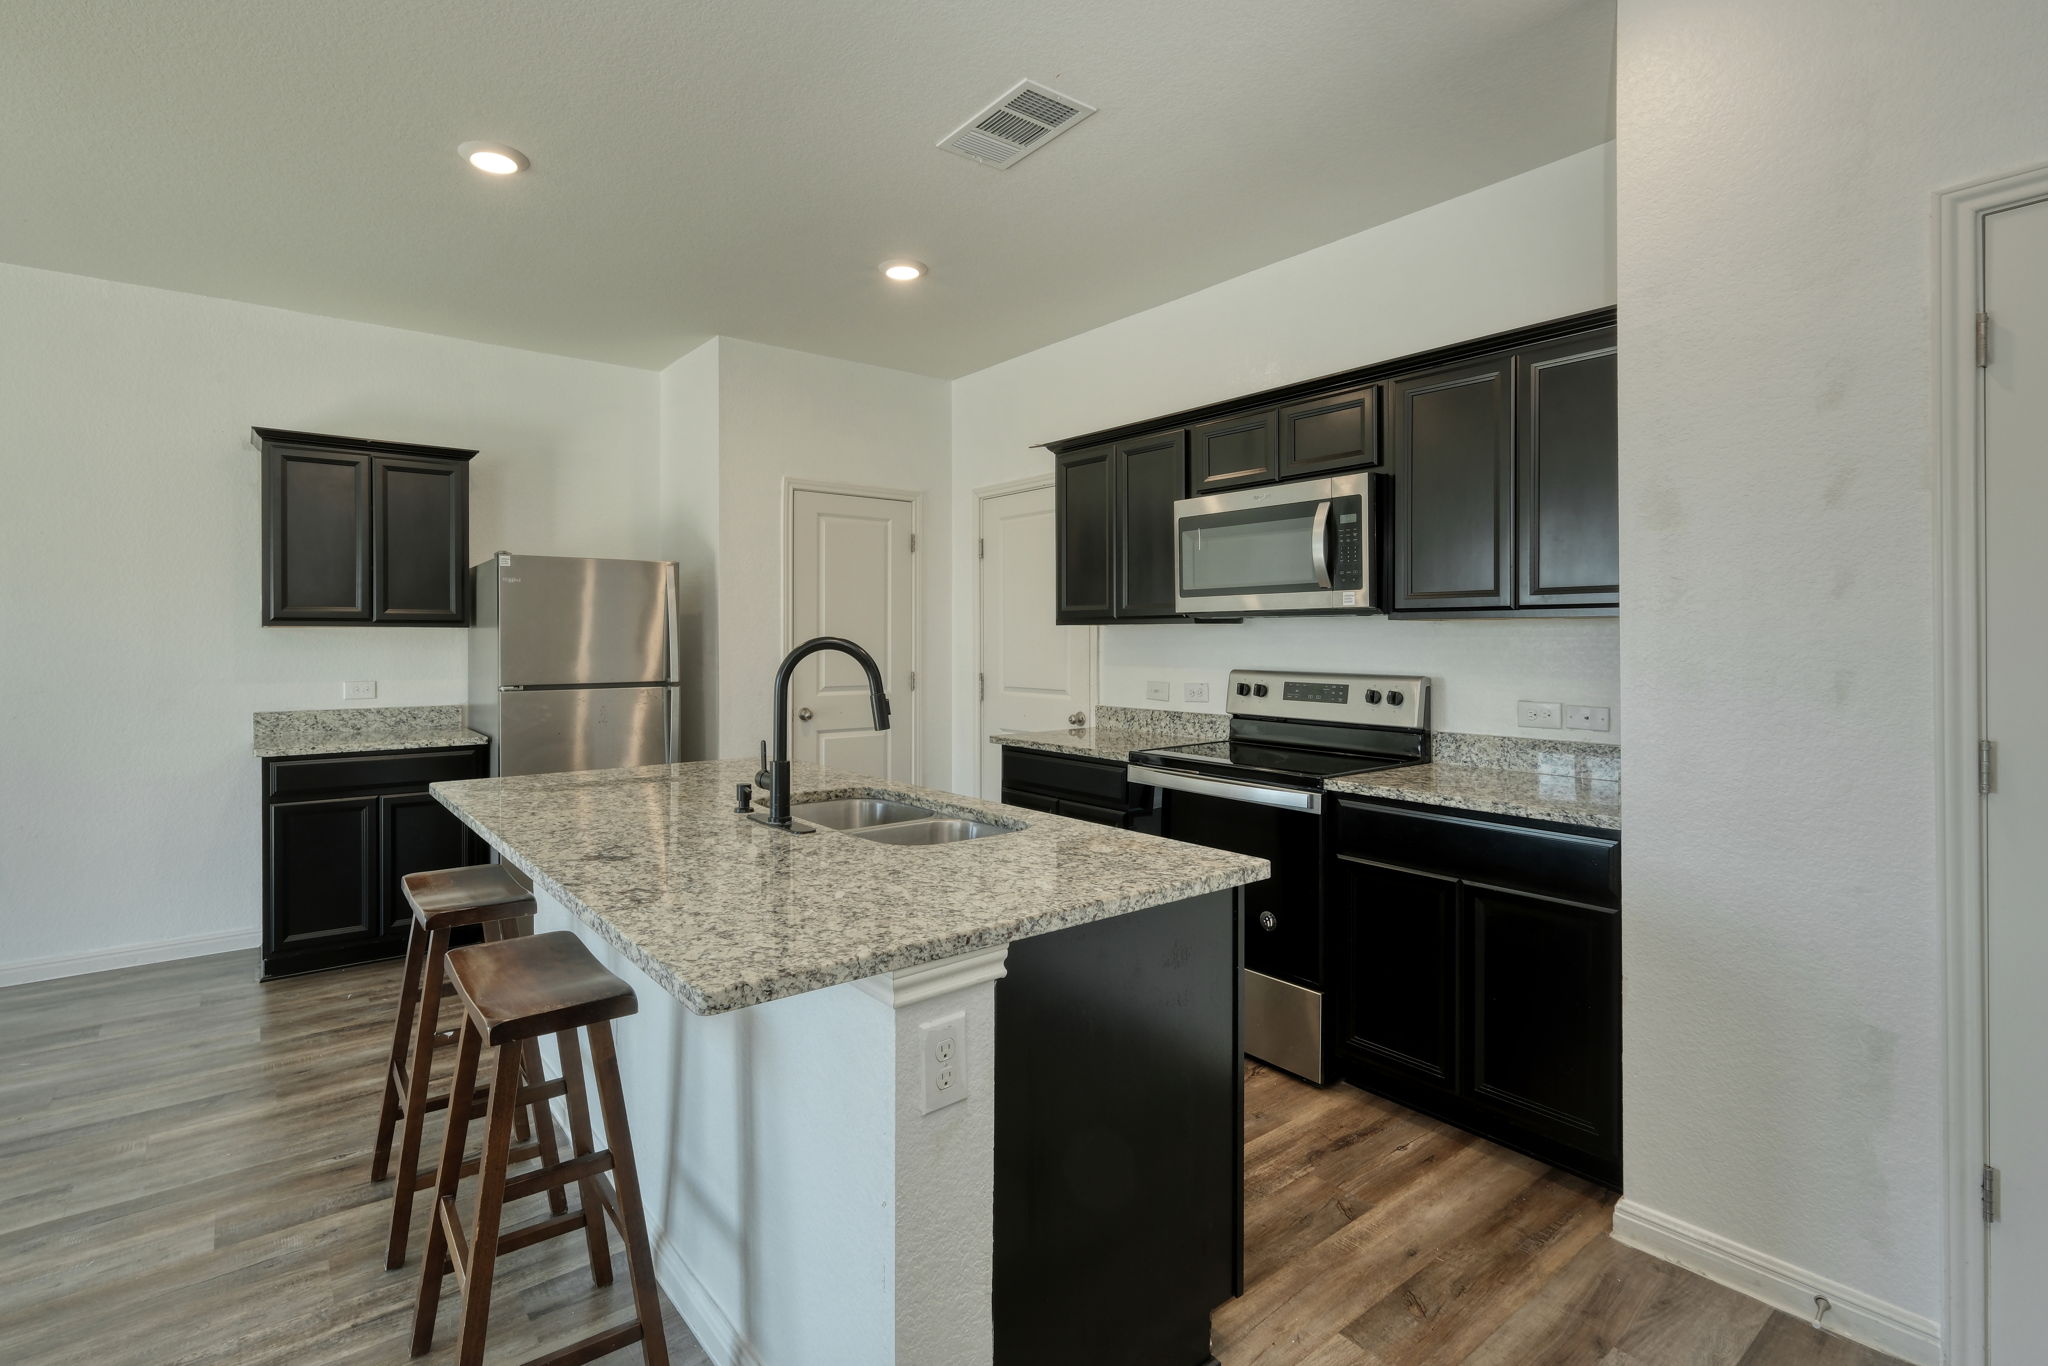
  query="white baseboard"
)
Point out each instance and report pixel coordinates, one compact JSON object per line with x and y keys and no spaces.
{"x":1852,"y":1314}
{"x":127,"y":956}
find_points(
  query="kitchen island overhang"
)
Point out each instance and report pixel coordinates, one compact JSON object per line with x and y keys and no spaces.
{"x":806,"y":1206}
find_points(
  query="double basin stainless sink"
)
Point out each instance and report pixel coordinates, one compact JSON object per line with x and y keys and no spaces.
{"x":887,"y":822}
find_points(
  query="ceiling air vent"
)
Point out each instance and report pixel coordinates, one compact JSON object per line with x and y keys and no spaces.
{"x":1018,"y":124}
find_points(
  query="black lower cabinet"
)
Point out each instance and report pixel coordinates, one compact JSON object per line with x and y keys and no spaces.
{"x":1484,"y":986}
{"x":1119,"y":1184}
{"x":1072,"y":785}
{"x":338,"y":834}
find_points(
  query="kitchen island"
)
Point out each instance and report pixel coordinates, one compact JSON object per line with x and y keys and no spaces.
{"x":822,"y":1187}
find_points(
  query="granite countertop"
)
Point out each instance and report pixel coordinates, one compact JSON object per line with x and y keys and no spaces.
{"x":1119,"y":730}
{"x":1572,"y":798}
{"x":726,"y":913}
{"x":360,"y":730}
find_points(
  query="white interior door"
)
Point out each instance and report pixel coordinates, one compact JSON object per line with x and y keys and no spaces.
{"x":1034,"y":675}
{"x":850,"y":573}
{"x":2016,"y":814}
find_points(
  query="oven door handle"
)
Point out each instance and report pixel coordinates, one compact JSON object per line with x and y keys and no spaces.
{"x":1285,"y":798}
{"x":1319,"y":544}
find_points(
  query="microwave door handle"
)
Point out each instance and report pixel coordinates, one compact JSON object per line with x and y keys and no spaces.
{"x":1319,"y":544}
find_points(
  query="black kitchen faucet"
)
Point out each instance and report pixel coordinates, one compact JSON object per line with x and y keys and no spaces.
{"x":777,"y":767}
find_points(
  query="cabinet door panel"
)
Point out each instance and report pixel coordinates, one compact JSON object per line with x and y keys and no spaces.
{"x":422,"y":540}
{"x":1084,"y":509}
{"x":1326,"y":435}
{"x":1546,"y":1030}
{"x":1398,"y":934}
{"x":1568,"y":520}
{"x":316,"y":512}
{"x":1151,"y":475}
{"x":1234,"y":450}
{"x":1454,"y":487}
{"x":322,"y":871}
{"x":417,"y":834}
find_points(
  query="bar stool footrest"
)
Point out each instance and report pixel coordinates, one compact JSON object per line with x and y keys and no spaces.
{"x":592,"y":1347}
{"x":561,"y":1174}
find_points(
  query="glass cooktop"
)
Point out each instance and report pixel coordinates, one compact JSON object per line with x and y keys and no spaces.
{"x":1244,"y":759}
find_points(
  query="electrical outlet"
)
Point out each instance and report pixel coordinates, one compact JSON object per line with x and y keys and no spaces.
{"x":944,"y":1046}
{"x":1194,"y":692}
{"x":1585,"y":718}
{"x":1539,"y":715}
{"x":1159,"y":692}
{"x":361,"y":690}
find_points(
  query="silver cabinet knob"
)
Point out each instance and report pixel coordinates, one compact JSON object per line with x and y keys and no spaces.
{"x":1079,"y":718}
{"x":803,"y":713}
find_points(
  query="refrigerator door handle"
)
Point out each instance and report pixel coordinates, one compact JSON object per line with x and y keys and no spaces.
{"x":672,"y":713}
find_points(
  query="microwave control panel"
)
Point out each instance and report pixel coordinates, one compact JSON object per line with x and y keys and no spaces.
{"x":1347,"y":538}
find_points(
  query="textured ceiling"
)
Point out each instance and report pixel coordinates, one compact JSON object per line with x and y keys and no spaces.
{"x":741,"y":168}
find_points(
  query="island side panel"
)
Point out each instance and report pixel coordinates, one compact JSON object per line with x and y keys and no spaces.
{"x":766,"y":1142}
{"x":1119,"y":1198}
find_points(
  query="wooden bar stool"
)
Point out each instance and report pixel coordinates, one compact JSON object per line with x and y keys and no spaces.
{"x":490,"y":898}
{"x":512,"y":993}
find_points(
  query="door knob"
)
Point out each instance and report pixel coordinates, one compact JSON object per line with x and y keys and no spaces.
{"x":1079,"y":718}
{"x":803,"y":713}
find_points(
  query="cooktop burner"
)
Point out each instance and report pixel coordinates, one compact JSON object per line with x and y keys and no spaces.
{"x":1253,"y":760}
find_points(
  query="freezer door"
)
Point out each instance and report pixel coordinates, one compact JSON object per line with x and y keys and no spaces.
{"x":574,"y":621}
{"x":565,"y":730}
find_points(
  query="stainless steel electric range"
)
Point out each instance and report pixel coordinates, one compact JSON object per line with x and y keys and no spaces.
{"x":1260,"y":792}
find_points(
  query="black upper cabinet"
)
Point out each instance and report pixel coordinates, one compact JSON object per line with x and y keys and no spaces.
{"x":1151,"y":475}
{"x":1084,"y":509}
{"x":1568,"y":531}
{"x":363,"y":532}
{"x":1326,"y":435}
{"x":1454,"y":487}
{"x":1235,"y":450}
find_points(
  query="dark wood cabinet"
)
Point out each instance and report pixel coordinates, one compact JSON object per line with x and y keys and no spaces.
{"x":1071,"y":785}
{"x":1151,"y":475}
{"x":1084,"y":511}
{"x":363,"y":532}
{"x":1454,"y":486}
{"x":1232,"y":451}
{"x":339,"y":831}
{"x":1478,"y":974}
{"x":1331,"y":434}
{"x":1568,"y":528}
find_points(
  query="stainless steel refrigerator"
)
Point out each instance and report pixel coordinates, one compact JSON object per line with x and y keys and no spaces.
{"x":573,"y":664}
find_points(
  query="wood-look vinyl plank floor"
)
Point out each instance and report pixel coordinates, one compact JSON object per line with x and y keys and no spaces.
{"x":186,"y":1159}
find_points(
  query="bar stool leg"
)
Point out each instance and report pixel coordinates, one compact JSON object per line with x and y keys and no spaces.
{"x":417,"y":1081}
{"x":632,"y":1221}
{"x":544,"y":1132}
{"x":439,"y":1247}
{"x":490,"y":1208}
{"x":580,"y":1142}
{"x":401,"y":1039}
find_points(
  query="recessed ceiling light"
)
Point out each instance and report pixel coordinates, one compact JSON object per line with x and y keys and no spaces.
{"x":493,"y":158}
{"x":903,"y":272}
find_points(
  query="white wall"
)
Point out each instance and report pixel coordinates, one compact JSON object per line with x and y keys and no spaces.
{"x":789,"y":414}
{"x":1775,"y":184}
{"x":1536,"y":247}
{"x":130,"y":654}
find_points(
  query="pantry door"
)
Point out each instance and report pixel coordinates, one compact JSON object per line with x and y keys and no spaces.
{"x":851,"y":576}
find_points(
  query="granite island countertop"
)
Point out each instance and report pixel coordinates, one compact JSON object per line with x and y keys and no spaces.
{"x":1571,"y":798}
{"x":725,"y":912}
{"x":360,"y":730}
{"x":1117,"y":731}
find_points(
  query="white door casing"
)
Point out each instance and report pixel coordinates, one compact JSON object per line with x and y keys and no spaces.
{"x":851,"y":575}
{"x":1034,"y":674}
{"x":2015,"y":814}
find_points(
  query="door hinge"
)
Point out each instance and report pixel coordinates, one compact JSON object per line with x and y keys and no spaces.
{"x":913,"y":542}
{"x":1987,"y":1193}
{"x":981,"y":548}
{"x":1987,"y":767}
{"x":1983,"y":340}
{"x":981,"y":687}
{"x":913,"y":680}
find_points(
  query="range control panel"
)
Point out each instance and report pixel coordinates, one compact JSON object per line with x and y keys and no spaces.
{"x":1354,"y":699}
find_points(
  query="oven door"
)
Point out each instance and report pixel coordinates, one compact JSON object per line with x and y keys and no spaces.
{"x":1300,"y":547}
{"x":1283,"y":921}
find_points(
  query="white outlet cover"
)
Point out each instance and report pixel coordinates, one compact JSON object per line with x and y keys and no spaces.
{"x":1194,"y":692}
{"x":1586,"y":718}
{"x":1159,"y":692}
{"x":942,"y":1047}
{"x":359,"y":690}
{"x":1538,"y":715}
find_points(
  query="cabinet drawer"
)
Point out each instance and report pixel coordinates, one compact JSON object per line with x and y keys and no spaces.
{"x":355,"y":772}
{"x":1576,"y":867}
{"x":1097,"y":782}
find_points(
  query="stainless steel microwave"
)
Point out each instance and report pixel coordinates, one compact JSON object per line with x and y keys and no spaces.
{"x":1306,"y":546}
